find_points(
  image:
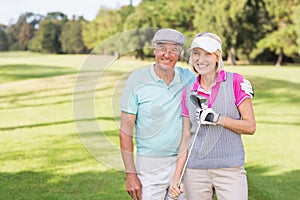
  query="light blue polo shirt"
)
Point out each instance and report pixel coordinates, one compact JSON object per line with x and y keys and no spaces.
{"x":158,"y":110}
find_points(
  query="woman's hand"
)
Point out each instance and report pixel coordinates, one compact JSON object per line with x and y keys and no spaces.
{"x":175,"y":191}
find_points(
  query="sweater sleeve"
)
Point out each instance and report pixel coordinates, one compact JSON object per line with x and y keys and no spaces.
{"x":242,"y":89}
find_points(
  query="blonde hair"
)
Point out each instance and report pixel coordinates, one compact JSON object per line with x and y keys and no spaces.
{"x":220,"y":63}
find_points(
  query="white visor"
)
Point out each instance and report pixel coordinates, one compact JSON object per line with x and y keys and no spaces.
{"x":207,"y":43}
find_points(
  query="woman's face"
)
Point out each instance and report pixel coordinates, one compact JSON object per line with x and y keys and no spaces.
{"x":203,"y":61}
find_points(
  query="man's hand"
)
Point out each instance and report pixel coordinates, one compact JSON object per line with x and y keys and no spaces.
{"x":134,"y":186}
{"x":208,"y":116}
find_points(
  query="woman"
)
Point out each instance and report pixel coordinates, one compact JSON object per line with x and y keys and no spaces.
{"x":216,"y":161}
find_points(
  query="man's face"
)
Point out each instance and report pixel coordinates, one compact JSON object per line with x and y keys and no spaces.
{"x":166,"y":54}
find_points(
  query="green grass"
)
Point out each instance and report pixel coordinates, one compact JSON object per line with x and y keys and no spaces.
{"x":10,"y":73}
{"x":43,"y":156}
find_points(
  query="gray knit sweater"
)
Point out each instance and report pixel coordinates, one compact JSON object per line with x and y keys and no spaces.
{"x":216,"y":146}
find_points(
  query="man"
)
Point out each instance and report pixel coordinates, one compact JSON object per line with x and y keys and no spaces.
{"x":151,"y":103}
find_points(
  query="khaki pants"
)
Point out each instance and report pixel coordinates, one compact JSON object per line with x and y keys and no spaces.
{"x":229,"y":184}
{"x":156,"y":175}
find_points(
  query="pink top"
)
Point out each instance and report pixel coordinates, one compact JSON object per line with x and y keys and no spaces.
{"x":240,"y":92}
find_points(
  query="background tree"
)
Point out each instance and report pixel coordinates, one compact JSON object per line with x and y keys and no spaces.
{"x":141,"y":37}
{"x":50,"y":42}
{"x":56,"y":16}
{"x":223,"y":18}
{"x":71,"y":38}
{"x":22,"y":32}
{"x":254,"y":26}
{"x":25,"y":35}
{"x":282,"y":39}
{"x":251,"y":30}
{"x":3,"y":41}
{"x":14,"y":31}
{"x":239,"y":24}
{"x":157,"y":14}
{"x":296,"y":20}
{"x":3,"y":38}
{"x":106,"y":24}
{"x":47,"y":36}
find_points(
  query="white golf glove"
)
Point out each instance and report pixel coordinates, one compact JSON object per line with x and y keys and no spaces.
{"x":208,"y":116}
{"x":198,"y":114}
{"x":199,"y":111}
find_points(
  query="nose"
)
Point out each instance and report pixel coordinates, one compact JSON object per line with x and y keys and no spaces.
{"x":200,"y":58}
{"x":167,"y":53}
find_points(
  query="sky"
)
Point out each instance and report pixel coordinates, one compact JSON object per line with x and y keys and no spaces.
{"x":10,"y":10}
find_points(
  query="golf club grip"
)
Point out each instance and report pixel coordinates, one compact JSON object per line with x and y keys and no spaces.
{"x":187,"y":159}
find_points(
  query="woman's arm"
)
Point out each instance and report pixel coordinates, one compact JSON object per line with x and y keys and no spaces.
{"x":181,"y":158}
{"x":246,"y":125}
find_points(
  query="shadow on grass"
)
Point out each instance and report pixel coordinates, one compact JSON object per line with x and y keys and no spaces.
{"x":10,"y":73}
{"x":266,"y":90}
{"x":30,"y":185}
{"x":17,"y":102}
{"x":278,"y":187}
{"x":9,"y":128}
{"x":276,"y":91}
{"x":110,"y":185}
{"x":51,"y":96}
{"x":281,"y":123}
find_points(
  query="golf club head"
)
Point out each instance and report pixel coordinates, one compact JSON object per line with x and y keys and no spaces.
{"x":197,"y":100}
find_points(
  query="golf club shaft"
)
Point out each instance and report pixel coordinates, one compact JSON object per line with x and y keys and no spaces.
{"x":187,"y":159}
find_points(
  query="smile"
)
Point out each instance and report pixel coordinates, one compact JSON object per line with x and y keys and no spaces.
{"x":201,"y":65}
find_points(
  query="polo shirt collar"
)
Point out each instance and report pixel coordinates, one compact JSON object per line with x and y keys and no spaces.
{"x":222,"y":76}
{"x":176,"y":78}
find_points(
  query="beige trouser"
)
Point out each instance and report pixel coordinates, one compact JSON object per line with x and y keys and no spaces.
{"x":229,"y":184}
{"x":156,"y":175}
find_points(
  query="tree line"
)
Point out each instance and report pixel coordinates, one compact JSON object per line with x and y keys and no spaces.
{"x":252,"y":30}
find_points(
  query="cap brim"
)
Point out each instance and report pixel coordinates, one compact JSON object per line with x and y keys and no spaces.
{"x":207,"y":43}
{"x":165,"y":41}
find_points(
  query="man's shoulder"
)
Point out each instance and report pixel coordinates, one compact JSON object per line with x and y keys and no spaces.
{"x":186,"y":74}
{"x":140,"y":71}
{"x":139,"y":74}
{"x":184,"y":71}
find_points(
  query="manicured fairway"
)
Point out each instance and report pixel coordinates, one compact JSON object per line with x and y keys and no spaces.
{"x":44,"y":157}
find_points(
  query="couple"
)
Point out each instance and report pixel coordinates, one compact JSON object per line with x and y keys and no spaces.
{"x":156,"y":102}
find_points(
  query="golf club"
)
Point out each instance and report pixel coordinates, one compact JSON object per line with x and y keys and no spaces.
{"x":197,"y":100}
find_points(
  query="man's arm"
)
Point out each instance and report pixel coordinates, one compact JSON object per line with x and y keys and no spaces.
{"x":133,"y":184}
